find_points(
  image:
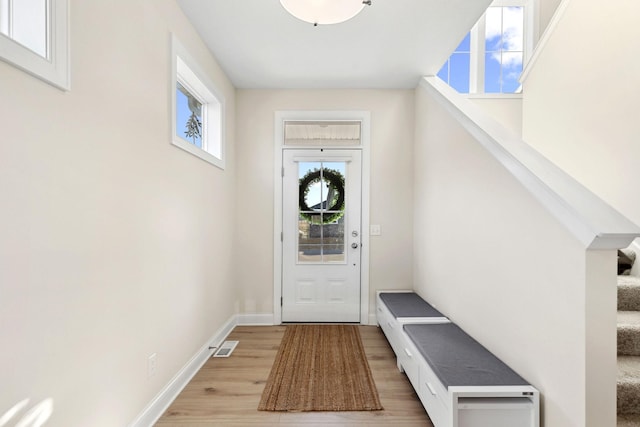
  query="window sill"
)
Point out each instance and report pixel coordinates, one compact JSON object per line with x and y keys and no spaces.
{"x":198,"y":152}
{"x":492,"y":95}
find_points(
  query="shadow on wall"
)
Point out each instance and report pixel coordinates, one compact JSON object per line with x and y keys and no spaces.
{"x":34,"y":417}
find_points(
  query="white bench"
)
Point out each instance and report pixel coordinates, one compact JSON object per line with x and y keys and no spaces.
{"x":459,"y":382}
{"x":394,"y":309}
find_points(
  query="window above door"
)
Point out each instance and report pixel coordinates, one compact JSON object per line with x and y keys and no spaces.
{"x":333,"y":133}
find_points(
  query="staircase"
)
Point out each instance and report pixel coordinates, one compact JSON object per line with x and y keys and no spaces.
{"x":628,"y":351}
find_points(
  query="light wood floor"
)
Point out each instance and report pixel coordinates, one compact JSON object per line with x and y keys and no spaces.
{"x":226,"y":391}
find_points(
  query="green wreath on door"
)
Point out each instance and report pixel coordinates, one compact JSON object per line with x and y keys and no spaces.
{"x":335,"y":197}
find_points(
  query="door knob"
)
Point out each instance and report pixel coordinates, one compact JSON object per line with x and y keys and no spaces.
{"x":354,"y":245}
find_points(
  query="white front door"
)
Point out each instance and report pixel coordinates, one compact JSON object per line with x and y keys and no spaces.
{"x":321,"y":235}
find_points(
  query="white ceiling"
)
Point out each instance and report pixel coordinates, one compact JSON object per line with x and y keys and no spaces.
{"x":388,"y":45}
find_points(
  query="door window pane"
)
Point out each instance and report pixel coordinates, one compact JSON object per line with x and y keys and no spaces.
{"x":321,"y":207}
{"x":333,"y":242}
{"x":310,"y":254}
{"x":315,"y":196}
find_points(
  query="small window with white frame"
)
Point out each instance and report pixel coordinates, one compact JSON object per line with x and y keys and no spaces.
{"x":494,"y":51}
{"x":34,"y":37}
{"x":198,"y":110}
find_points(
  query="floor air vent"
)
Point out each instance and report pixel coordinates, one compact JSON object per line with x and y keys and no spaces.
{"x":226,"y":349}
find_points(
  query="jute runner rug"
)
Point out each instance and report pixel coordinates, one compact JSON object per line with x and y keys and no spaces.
{"x":320,"y":368}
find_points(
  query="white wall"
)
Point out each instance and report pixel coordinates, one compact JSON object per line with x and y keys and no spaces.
{"x":580,"y":100}
{"x":506,"y":111}
{"x":391,"y":183}
{"x":546,"y":10}
{"x":114,"y":243}
{"x":491,"y":258}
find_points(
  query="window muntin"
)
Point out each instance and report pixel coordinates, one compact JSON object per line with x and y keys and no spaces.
{"x":198,"y":110}
{"x":498,"y":46}
{"x":34,"y":37}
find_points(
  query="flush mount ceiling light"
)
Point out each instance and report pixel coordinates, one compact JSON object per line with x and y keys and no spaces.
{"x":324,"y":12}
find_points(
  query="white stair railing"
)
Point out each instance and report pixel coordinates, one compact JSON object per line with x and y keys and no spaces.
{"x":592,"y":221}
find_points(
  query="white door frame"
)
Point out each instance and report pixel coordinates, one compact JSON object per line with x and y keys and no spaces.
{"x":365,"y":139}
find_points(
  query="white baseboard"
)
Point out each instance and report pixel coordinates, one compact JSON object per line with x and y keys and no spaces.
{"x":258,"y":319}
{"x":373,"y":320}
{"x":266,"y":319}
{"x":167,"y":395}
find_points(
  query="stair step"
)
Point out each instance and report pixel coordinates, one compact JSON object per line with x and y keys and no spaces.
{"x":628,"y":385}
{"x":629,"y":333}
{"x":628,"y":421}
{"x":628,"y":293}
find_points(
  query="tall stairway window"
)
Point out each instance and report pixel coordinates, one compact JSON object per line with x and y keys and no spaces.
{"x":490,"y":58}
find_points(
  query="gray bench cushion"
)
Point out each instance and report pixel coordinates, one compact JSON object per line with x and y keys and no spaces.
{"x":408,"y":304}
{"x":459,"y":360}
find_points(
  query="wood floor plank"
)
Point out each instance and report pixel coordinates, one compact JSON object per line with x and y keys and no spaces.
{"x":227,"y":391}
